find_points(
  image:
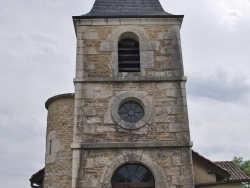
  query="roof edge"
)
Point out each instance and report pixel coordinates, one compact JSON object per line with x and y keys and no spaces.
{"x":129,"y":16}
{"x":61,"y":96}
{"x":217,"y":169}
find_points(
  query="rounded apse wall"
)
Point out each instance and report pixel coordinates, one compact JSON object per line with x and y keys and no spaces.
{"x":59,"y":136}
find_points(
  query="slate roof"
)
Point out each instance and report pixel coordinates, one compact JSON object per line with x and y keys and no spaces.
{"x":127,"y":8}
{"x":234,"y":170}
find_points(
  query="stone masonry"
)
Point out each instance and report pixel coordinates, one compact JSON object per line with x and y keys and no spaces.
{"x":102,"y":141}
{"x":58,"y":161}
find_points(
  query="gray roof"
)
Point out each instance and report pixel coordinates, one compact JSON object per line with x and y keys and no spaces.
{"x":236,"y":173}
{"x":127,"y":8}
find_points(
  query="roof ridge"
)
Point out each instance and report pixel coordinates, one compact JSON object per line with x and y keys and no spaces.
{"x":127,"y":8}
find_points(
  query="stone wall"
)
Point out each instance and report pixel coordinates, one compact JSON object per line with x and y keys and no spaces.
{"x":97,"y":47}
{"x":58,"y":168}
{"x":170,"y":167}
{"x":168,"y":119}
{"x":102,"y":140}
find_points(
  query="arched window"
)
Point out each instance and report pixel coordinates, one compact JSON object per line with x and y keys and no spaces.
{"x":133,"y":175}
{"x":129,"y":53}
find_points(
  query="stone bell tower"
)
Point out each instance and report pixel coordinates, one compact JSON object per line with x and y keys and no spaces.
{"x":130,"y":120}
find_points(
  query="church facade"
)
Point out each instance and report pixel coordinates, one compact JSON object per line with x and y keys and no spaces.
{"x":126,"y":125}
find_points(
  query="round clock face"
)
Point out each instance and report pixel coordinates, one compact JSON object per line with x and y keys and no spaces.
{"x":131,"y":112}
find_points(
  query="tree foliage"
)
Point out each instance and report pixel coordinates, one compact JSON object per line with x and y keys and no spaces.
{"x":244,"y":165}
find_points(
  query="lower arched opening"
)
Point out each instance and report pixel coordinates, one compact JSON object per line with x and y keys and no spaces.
{"x":133,"y":176}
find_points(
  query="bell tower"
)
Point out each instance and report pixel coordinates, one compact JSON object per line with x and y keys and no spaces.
{"x":130,"y":119}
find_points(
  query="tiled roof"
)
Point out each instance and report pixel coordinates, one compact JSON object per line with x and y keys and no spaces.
{"x":127,"y":8}
{"x":234,"y":170}
{"x":221,"y":172}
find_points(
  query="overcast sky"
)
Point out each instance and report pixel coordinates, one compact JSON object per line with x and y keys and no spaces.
{"x":37,"y":61}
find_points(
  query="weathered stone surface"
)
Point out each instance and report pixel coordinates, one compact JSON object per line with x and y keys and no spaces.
{"x":103,"y":141}
{"x":102,"y":41}
{"x":60,"y":136}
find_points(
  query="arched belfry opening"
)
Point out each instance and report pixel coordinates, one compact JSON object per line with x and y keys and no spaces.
{"x":129,"y":53}
{"x":133,"y":175}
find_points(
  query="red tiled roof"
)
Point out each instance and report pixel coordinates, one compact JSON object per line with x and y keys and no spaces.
{"x":236,"y":173}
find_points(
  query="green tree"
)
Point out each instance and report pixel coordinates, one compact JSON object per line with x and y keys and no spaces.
{"x":245,"y":167}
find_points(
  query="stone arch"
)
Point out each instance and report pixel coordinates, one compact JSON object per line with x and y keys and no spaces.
{"x":147,"y":48}
{"x":133,"y":156}
{"x":117,"y":33}
{"x":129,"y":53}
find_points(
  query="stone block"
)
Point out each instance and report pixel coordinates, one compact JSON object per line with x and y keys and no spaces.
{"x":164,"y":85}
{"x":93,"y":120}
{"x":56,"y":146}
{"x":149,"y":46}
{"x":79,"y":74}
{"x":51,"y":135}
{"x":81,"y":44}
{"x":173,"y":93}
{"x":89,"y":183}
{"x":174,"y":171}
{"x":107,"y":117}
{"x":88,"y":66}
{"x":88,"y":163}
{"x":177,"y":161}
{"x":82,"y":29}
{"x":115,"y":163}
{"x":114,"y":21}
{"x":165,"y":36}
{"x":51,"y":158}
{"x":164,"y":118}
{"x":109,"y":47}
{"x":132,"y":155}
{"x":172,"y":65}
{"x":90,"y":35}
{"x":103,"y":93}
{"x":80,"y":58}
{"x":89,"y":111}
{"x":87,"y":94}
{"x":105,"y":129}
{"x":88,"y":51}
{"x":178,"y":127}
{"x":86,"y":129}
{"x":79,"y":66}
{"x":160,"y":74}
{"x":176,"y":110}
{"x":182,"y":118}
{"x":147,"y":59}
{"x":160,"y":58}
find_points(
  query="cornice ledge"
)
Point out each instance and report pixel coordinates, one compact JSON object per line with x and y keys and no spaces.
{"x":131,"y":79}
{"x":121,"y":145}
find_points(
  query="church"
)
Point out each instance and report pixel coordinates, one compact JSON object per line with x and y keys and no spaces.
{"x":126,"y":125}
